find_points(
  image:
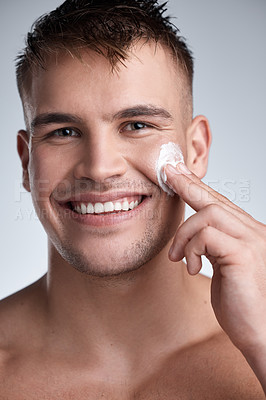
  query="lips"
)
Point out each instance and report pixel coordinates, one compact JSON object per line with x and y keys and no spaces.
{"x":101,"y":208}
{"x":102,"y":204}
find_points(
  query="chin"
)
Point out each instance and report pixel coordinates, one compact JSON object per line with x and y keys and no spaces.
{"x":113,"y":259}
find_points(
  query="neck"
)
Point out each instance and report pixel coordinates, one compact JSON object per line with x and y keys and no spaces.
{"x":122,"y":316}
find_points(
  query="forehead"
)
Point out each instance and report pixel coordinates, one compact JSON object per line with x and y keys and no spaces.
{"x":68,"y":84}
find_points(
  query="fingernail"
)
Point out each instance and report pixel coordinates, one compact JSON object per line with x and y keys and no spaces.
{"x":173,"y":253}
{"x":170,"y":251}
{"x":172,"y":169}
{"x":183,"y":168}
{"x":163,"y":174}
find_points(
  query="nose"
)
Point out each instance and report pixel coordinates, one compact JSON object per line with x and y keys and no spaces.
{"x":100,"y":158}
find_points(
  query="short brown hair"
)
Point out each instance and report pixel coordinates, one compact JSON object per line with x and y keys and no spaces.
{"x":109,"y":27}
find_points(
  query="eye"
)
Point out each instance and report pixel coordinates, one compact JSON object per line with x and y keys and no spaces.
{"x":135,"y":126}
{"x":65,"y":132}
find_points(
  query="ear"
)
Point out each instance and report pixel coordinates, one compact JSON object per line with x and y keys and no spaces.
{"x":198,"y":145}
{"x":23,"y":151}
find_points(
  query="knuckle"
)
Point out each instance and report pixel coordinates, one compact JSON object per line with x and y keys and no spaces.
{"x":206,"y":232}
{"x":212,"y":209}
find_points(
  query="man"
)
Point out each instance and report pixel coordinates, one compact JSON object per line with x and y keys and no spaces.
{"x":104,"y":84}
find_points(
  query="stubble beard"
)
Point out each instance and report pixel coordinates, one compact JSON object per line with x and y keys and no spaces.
{"x":120,"y":267}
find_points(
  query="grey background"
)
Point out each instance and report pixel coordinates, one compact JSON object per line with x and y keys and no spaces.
{"x":228,"y":41}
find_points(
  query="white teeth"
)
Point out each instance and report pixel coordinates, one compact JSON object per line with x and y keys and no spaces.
{"x":99,"y":208}
{"x":118,"y":206}
{"x":109,"y":206}
{"x":83,"y":209}
{"x":90,"y":209}
{"x":125,"y":206}
{"x":132,"y":205}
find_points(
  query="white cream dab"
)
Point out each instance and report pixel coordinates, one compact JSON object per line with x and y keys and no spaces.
{"x":170,"y":153}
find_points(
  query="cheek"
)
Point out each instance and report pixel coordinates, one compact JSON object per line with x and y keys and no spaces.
{"x":144,"y":155}
{"x":46,"y":170}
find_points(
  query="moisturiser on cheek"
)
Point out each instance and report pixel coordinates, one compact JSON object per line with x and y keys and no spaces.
{"x":170,"y":153}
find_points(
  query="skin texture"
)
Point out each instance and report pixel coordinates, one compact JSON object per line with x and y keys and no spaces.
{"x":115,"y":317}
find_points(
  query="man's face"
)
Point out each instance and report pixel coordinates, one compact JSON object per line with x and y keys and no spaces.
{"x":96,"y":135}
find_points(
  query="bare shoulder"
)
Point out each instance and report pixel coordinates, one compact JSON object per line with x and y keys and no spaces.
{"x":213,"y":369}
{"x":20,"y":313}
{"x":228,"y":369}
{"x":15,"y":308}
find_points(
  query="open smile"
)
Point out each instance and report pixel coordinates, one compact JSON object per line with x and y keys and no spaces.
{"x":118,"y":205}
{"x":92,"y":211}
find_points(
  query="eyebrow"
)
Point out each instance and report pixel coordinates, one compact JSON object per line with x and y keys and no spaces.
{"x":54,"y":118}
{"x":143,"y":110}
{"x":136,"y":111}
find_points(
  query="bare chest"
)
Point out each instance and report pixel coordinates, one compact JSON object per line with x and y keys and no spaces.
{"x":215,"y":372}
{"x":93,"y":391}
{"x":173,"y":384}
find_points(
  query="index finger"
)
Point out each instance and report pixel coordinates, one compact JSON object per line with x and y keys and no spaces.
{"x":195,"y":192}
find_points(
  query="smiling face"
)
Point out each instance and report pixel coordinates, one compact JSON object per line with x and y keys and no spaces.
{"x":95,"y":137}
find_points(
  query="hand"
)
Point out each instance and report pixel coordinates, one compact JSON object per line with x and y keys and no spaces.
{"x":235,"y":244}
